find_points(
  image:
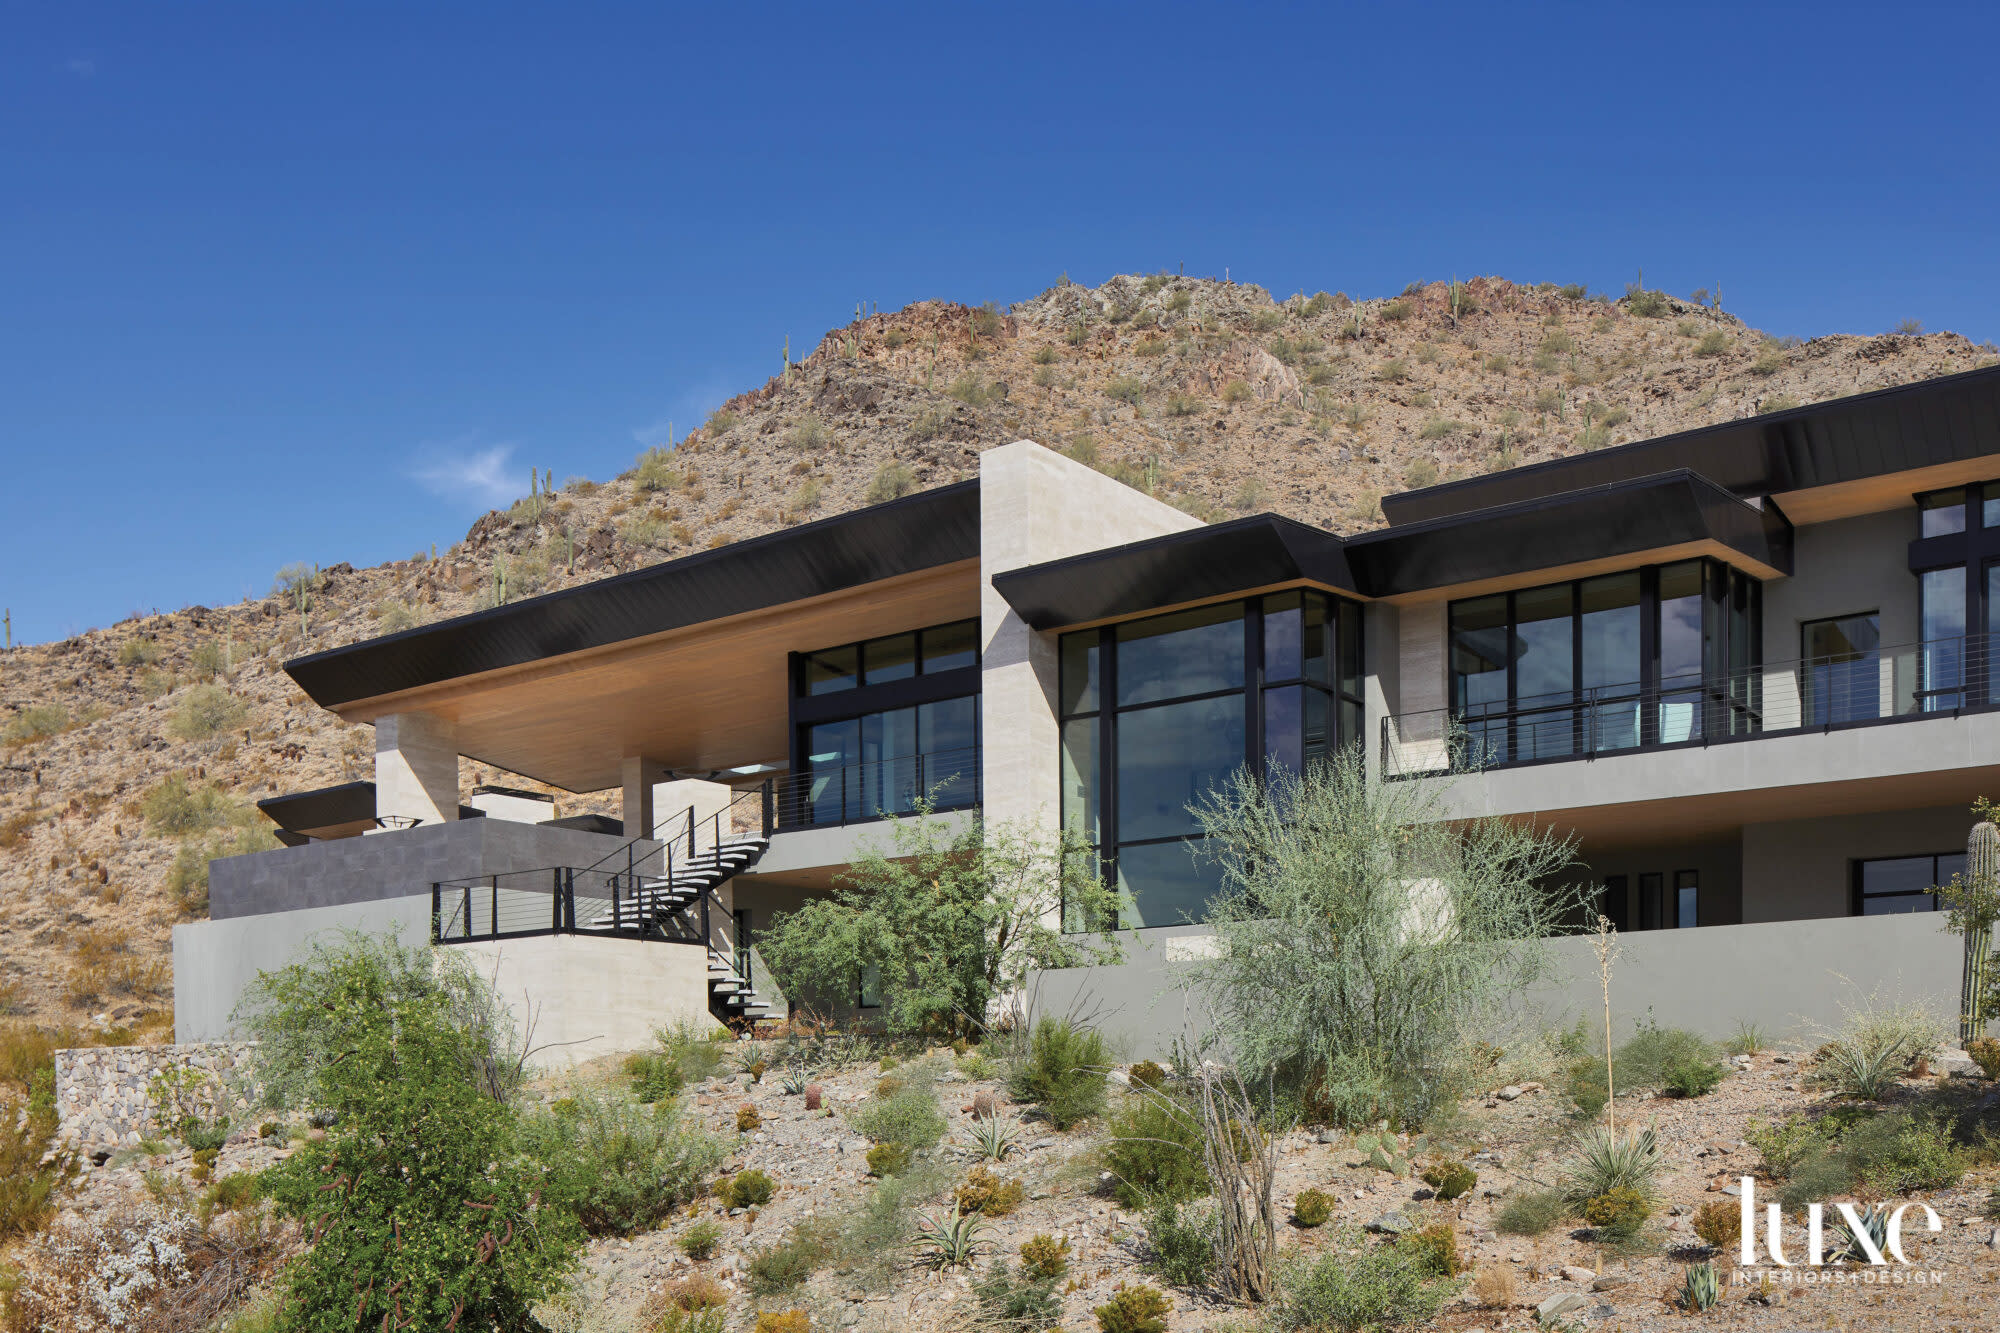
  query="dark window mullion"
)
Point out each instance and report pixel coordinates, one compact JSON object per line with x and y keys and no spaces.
{"x":1107,"y":759}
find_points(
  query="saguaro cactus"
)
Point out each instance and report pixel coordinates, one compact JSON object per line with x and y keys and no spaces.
{"x":1982,"y":886}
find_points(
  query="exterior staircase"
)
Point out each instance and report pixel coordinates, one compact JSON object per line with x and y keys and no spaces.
{"x":674,"y":900}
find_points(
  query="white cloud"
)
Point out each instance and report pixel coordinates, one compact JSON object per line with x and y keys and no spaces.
{"x":463,"y":472}
{"x":83,"y":67}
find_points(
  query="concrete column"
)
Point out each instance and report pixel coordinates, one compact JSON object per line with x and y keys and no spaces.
{"x":1035,"y":505}
{"x":416,"y":768}
{"x":639,"y":776}
{"x":672,"y":800}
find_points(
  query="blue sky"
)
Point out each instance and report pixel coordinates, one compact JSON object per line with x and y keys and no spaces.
{"x":291,"y":282}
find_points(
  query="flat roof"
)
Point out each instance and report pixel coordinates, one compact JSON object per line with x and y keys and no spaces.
{"x":918,"y":532}
{"x":1911,"y":427}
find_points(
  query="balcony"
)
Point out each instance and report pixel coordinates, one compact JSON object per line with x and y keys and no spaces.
{"x":1915,"y":682}
{"x":832,"y":797}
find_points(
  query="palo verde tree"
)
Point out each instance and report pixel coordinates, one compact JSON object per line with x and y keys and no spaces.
{"x":419,"y":1208}
{"x":1364,"y":940}
{"x":947,"y":920}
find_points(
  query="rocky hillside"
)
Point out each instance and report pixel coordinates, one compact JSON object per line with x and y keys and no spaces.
{"x":132,"y":753}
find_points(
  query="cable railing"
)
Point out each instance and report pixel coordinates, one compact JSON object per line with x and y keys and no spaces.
{"x":1939,"y":676}
{"x":853,"y":793}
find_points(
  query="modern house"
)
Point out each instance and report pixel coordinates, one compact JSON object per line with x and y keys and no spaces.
{"x":1746,"y":666}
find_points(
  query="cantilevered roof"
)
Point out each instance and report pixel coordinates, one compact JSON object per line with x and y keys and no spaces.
{"x":918,"y":532}
{"x":1928,"y":425}
{"x":1196,"y":565}
{"x":1676,"y":513}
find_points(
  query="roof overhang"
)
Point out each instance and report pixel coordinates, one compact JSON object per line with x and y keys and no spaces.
{"x":1220,"y":560}
{"x":1931,"y":429}
{"x":340,"y":811}
{"x":1646,"y":520}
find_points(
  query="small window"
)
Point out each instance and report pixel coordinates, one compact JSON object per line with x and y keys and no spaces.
{"x":868,"y":990}
{"x":833,"y":670}
{"x":893,"y":658}
{"x":949,"y":647}
{"x":1687,"y":892}
{"x":1942,"y":513}
{"x":1651,"y":890}
{"x":1896,"y":884}
{"x":1615,"y":889}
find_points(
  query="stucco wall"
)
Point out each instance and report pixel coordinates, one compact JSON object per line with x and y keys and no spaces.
{"x":393,"y":864}
{"x":1717,"y":863}
{"x":1800,"y":867}
{"x":1035,"y":506}
{"x":1841,"y":568}
{"x":1793,"y":978}
{"x":578,"y":997}
{"x":215,"y":960}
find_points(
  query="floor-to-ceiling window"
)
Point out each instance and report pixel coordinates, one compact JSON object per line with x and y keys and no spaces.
{"x":885,"y":723}
{"x":1158,"y":713}
{"x":1954,"y":558}
{"x":1840,"y":669}
{"x":1650,"y":656}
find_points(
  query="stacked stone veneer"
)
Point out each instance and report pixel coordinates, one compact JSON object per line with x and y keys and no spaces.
{"x":102,"y":1092}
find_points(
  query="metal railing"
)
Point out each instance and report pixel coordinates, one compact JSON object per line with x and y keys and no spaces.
{"x":1912,"y":681}
{"x":853,"y":793}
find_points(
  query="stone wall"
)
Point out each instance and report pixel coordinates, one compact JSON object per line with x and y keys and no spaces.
{"x":102,"y":1099}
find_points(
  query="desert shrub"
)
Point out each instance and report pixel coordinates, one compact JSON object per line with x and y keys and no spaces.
{"x":790,"y":1262}
{"x":888,"y":1159}
{"x":1384,"y":1287}
{"x":1313,"y":1208}
{"x":654,"y":470}
{"x":1985,"y":1053}
{"x":746,"y":1189}
{"x":1785,"y":1144}
{"x":1450,"y":1178}
{"x":891,"y":480}
{"x":1719,"y":1224}
{"x":1237,"y":391}
{"x":187,"y":879}
{"x":406,"y":1072}
{"x":1155,"y":1151}
{"x":36,"y":722}
{"x":1125,"y":388}
{"x":1618,"y":1212}
{"x":1887,"y":1154}
{"x":1382,"y":1026}
{"x":1713,"y":343}
{"x":1045,"y":1257}
{"x":1023,"y":1301}
{"x":138,"y":652}
{"x":1644,"y":303}
{"x":747,"y":1118}
{"x":1139,"y":1309}
{"x":1435,"y":1247}
{"x":720,"y":422}
{"x":130,"y":1270}
{"x":1397,"y":310}
{"x":906,"y":1115}
{"x":783,"y":1321}
{"x":177,"y":807}
{"x":1531,"y":1213}
{"x":1604,"y":1160}
{"x":206,"y":711}
{"x":989,"y":1195}
{"x":31,"y":1175}
{"x":1749,"y":1039}
{"x":809,"y":434}
{"x":1695,"y":1077}
{"x":1392,"y":371}
{"x":1148,"y":1074}
{"x":1419,"y":473}
{"x":1438,"y":428}
{"x":701,"y":1240}
{"x":1062,"y":1072}
{"x":1180,"y":1243}
{"x":621,"y":1166}
{"x":1654,"y":1053}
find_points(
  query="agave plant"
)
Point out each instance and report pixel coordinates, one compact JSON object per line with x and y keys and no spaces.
{"x":943,"y":1245}
{"x":1605,"y":1160}
{"x":1874,"y":1219}
{"x":1700,"y":1288}
{"x":1862,"y":1069}
{"x":796,"y":1078}
{"x":993,"y":1138}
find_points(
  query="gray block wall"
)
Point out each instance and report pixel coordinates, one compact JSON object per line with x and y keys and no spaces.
{"x":394,"y":864}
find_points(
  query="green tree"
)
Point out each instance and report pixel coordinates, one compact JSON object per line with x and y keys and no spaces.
{"x":1365,"y":940}
{"x":421,"y":1209}
{"x":947,"y":920}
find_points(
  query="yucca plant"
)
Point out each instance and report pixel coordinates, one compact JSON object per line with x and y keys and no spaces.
{"x":944,"y":1245}
{"x":1605,"y":1160}
{"x":1700,"y":1287}
{"x":993,"y":1138}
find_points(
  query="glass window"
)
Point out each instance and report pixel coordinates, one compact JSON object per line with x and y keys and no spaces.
{"x":947,"y":753}
{"x":1166,"y":883}
{"x":1171,"y":756}
{"x":1941,"y":513}
{"x":1941,"y":666}
{"x":1992,"y":644}
{"x":1480,"y":647}
{"x":1681,"y":652}
{"x":1079,"y":779}
{"x":1989,"y":506}
{"x":832,"y":670}
{"x":1284,"y":727}
{"x":1609,"y":628}
{"x":893,"y":658}
{"x":1842,"y":679}
{"x":1079,"y":672}
{"x":1193,"y":652}
{"x":949,"y":647}
{"x":1284,"y":636}
{"x":1651,"y":890}
{"x":1903,"y":883}
{"x":868,"y":992}
{"x":1687,"y":890}
{"x":1544,"y":672}
{"x":1348,"y":634}
{"x":1615,"y":889}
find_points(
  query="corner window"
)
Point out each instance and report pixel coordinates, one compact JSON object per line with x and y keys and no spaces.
{"x":1942,"y":513}
{"x":1897,"y":884}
